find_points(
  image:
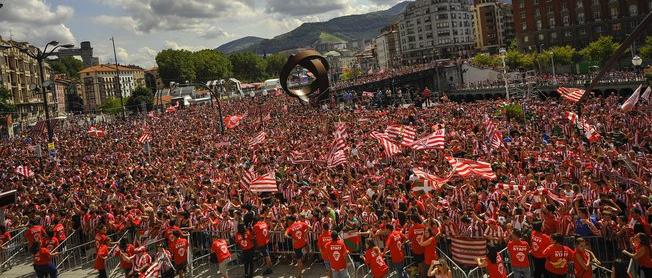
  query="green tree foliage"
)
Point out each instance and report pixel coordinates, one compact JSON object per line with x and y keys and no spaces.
{"x":211,"y":65}
{"x":247,"y":66}
{"x":484,"y":60}
{"x":111,"y":106}
{"x":597,"y":52}
{"x":563,"y":54}
{"x":69,"y":66}
{"x":138,"y":96}
{"x":646,"y":50}
{"x":176,"y":65}
{"x":350,"y":74}
{"x":5,"y":100}
{"x":512,"y":111}
{"x":274,"y":64}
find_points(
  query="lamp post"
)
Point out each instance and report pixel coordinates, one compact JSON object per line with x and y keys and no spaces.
{"x":554,"y":76}
{"x":213,"y":94}
{"x":502,"y":56}
{"x":117,"y":79}
{"x":39,"y":56}
{"x":637,"y":61}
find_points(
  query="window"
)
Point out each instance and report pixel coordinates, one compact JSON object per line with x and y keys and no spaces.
{"x":526,"y":39}
{"x":614,"y":12}
{"x":580,"y":4}
{"x":523,"y":26}
{"x":567,"y":34}
{"x":566,"y":20}
{"x":539,"y":25}
{"x":522,"y":5}
{"x":553,"y":35}
{"x":552,"y":22}
{"x":596,"y":14}
{"x":537,"y":13}
{"x":596,"y":2}
{"x":541,"y":37}
{"x":633,"y":10}
{"x":580,"y":18}
{"x":616,"y":27}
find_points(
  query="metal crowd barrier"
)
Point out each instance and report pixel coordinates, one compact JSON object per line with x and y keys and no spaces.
{"x":13,"y":249}
{"x":113,"y":262}
{"x":78,"y":256}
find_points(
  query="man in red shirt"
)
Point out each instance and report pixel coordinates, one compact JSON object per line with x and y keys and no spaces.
{"x":519,"y":251}
{"x":221,"y":250}
{"x":298,"y":231}
{"x":538,"y":242}
{"x":125,"y":252}
{"x":557,"y":257}
{"x":261,"y":233}
{"x":35,"y":233}
{"x":415,"y":235}
{"x":337,"y":255}
{"x":375,"y":260}
{"x":179,"y":250}
{"x":4,"y":235}
{"x":100,"y":257}
{"x":324,"y":239}
{"x":426,"y":96}
{"x":244,"y":240}
{"x":394,"y":243}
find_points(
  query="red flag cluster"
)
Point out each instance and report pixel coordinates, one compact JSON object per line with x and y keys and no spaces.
{"x":571,"y":94}
{"x":337,"y":155}
{"x":24,"y":171}
{"x":144,"y":138}
{"x":467,"y":167}
{"x":588,"y":130}
{"x":436,"y":140}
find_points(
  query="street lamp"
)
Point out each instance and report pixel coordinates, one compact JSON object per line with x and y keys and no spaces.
{"x":213,"y":94}
{"x":503,"y":51}
{"x":39,"y":56}
{"x":554,"y":76}
{"x":637,"y":61}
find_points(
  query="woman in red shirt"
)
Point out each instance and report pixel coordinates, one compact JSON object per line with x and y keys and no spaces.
{"x":583,"y":259}
{"x":429,"y":242}
{"x":245,"y":241}
{"x":43,"y":261}
{"x":373,"y":257}
{"x":641,"y":243}
{"x":494,"y":263}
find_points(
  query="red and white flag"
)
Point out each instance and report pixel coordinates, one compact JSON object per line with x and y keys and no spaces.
{"x":646,"y":94}
{"x":467,"y":250}
{"x":24,"y":171}
{"x":510,"y":186}
{"x":268,"y":117}
{"x":390,"y":148}
{"x":296,"y":156}
{"x":430,"y":180}
{"x":402,"y":134}
{"x":489,"y":126}
{"x":379,"y":135}
{"x":496,"y":140}
{"x":154,"y":270}
{"x":436,"y":140}
{"x":630,"y":103}
{"x":337,"y":158}
{"x":144,"y":138}
{"x":340,"y":130}
{"x":589,"y":131}
{"x":248,"y":176}
{"x":232,"y":121}
{"x":571,"y":94}
{"x":466,"y":167}
{"x":266,"y":183}
{"x":259,"y":139}
{"x":572,"y":117}
{"x":95,"y":132}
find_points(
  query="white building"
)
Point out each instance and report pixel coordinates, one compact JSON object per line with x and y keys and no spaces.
{"x":98,"y":84}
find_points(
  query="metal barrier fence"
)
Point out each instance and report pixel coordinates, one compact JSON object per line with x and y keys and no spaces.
{"x":14,"y":248}
{"x":71,"y":256}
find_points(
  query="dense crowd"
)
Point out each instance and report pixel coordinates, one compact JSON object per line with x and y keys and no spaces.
{"x":576,"y":80}
{"x":558,"y":185}
{"x":384,"y":74}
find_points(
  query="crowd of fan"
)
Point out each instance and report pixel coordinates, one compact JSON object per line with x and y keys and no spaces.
{"x":191,"y":183}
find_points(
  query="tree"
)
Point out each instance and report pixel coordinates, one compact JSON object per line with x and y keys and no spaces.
{"x":646,"y":49}
{"x":140,"y":95}
{"x":350,"y":74}
{"x":111,"y":106}
{"x":68,"y":65}
{"x":484,"y":60}
{"x":563,"y":54}
{"x":211,"y":65}
{"x":5,"y":100}
{"x":597,"y":52}
{"x":176,"y":65}
{"x":248,"y":67}
{"x":274,"y":64}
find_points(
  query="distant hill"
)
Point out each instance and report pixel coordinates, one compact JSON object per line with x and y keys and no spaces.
{"x":347,"y":28}
{"x":239,"y":44}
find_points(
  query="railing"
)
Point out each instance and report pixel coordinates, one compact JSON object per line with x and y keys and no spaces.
{"x":11,"y":249}
{"x":113,"y":262}
{"x":78,"y":256}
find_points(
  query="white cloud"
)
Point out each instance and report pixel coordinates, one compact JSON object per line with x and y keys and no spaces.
{"x":36,"y":22}
{"x":123,"y":22}
{"x":304,"y":7}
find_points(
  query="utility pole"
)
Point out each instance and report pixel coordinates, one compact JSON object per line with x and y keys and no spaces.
{"x":117,"y":77}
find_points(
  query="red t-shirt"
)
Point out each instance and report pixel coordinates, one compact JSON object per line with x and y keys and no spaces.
{"x":415,"y":234}
{"x":36,"y":232}
{"x":550,"y":224}
{"x":518,"y":251}
{"x":646,"y":259}
{"x":129,"y":251}
{"x":376,"y":263}
{"x":580,"y":272}
{"x":430,"y":252}
{"x":395,"y":244}
{"x":324,"y":239}
{"x":42,"y":257}
{"x":337,"y":253}
{"x":539,"y":243}
{"x":245,"y":242}
{"x":51,"y":243}
{"x":59,"y":232}
{"x":4,"y":237}
{"x":102,"y":252}
{"x":180,"y":251}
{"x":221,"y":250}
{"x":298,"y":231}
{"x":261,"y":230}
{"x":558,"y":254}
{"x":169,"y":231}
{"x":496,"y":270}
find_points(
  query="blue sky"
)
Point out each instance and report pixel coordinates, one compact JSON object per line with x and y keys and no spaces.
{"x":144,"y":27}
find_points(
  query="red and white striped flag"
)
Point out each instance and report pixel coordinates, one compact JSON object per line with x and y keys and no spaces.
{"x":340,"y":130}
{"x":379,"y":135}
{"x":646,"y":94}
{"x":496,"y":140}
{"x":295,"y":156}
{"x":337,"y":158}
{"x":24,"y":171}
{"x":248,"y":176}
{"x":259,"y":139}
{"x":436,"y":140}
{"x":589,"y":131}
{"x":390,"y":148}
{"x":430,"y":180}
{"x":144,"y":138}
{"x":510,"y":186}
{"x":38,"y":129}
{"x":266,"y":183}
{"x":489,"y":126}
{"x":154,"y":270}
{"x":572,"y":117}
{"x":571,"y":94}
{"x":630,"y":103}
{"x":232,"y":121}
{"x":467,"y":250}
{"x":466,"y":167}
{"x":402,"y":134}
{"x":268,"y":117}
{"x":95,"y":132}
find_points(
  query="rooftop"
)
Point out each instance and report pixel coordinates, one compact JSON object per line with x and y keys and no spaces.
{"x":106,"y":68}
